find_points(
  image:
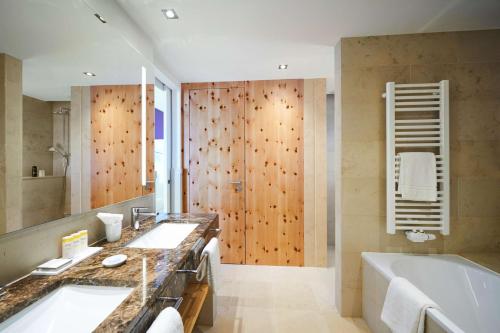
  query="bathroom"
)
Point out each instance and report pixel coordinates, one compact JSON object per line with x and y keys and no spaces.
{"x":211,"y":166}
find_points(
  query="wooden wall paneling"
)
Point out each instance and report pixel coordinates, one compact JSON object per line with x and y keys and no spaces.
{"x":116,"y":143}
{"x":274,"y":160}
{"x":150,"y":139}
{"x":216,"y":145}
{"x":185,"y":91}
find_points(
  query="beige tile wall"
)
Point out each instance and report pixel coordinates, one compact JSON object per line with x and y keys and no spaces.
{"x":43,"y":200}
{"x":315,"y":173}
{"x":37,"y":135}
{"x":11,"y":138}
{"x":471,"y":61}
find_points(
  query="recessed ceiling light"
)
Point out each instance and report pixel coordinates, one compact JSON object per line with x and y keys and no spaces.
{"x":100,"y":18}
{"x":170,"y":14}
{"x":89,"y":73}
{"x":283,"y":66}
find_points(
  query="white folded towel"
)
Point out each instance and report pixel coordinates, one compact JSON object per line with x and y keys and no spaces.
{"x":212,"y":249}
{"x":168,"y":321}
{"x":404,"y":307}
{"x":417,"y":176}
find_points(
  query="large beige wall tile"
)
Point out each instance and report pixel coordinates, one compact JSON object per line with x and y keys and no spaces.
{"x":352,"y":274}
{"x":479,"y":197}
{"x":474,"y":234}
{"x":37,"y":135}
{"x":351,"y":301}
{"x":363,"y":196}
{"x":467,"y":81}
{"x":475,"y":158}
{"x":11,"y":126}
{"x":399,"y":50}
{"x":361,"y":233}
{"x":315,"y":173}
{"x":475,"y":119}
{"x":363,"y":122}
{"x":363,"y":159}
{"x":43,"y":200}
{"x":366,"y":84}
{"x":478,"y":46}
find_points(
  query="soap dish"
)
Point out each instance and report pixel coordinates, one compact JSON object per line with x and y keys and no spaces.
{"x":114,"y":261}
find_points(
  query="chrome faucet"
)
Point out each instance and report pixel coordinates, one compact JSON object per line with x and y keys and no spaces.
{"x":139,"y":214}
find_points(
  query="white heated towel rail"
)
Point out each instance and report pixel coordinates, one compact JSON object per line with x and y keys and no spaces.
{"x":417,"y":120}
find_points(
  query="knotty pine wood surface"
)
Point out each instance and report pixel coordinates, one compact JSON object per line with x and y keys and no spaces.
{"x":216,"y":146}
{"x":116,"y":143}
{"x":273,"y":163}
{"x":274,"y":158}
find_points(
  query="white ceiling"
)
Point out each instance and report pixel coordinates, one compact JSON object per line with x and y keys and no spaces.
{"x":217,"y":40}
{"x":60,"y":39}
{"x":214,"y":40}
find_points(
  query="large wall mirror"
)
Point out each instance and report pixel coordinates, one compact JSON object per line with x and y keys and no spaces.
{"x":72,"y":115}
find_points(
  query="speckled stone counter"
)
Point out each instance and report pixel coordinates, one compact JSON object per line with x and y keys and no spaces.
{"x":161,"y":265}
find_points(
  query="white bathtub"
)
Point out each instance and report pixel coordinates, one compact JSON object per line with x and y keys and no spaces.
{"x":468,"y":294}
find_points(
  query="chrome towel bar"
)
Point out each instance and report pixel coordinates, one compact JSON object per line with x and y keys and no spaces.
{"x":200,"y":271}
{"x":177,"y":300}
{"x":217,"y":231}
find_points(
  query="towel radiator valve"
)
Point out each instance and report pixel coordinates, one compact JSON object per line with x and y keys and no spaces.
{"x":419,"y":236}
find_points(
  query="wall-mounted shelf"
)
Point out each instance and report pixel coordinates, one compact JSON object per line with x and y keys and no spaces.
{"x":193,"y":298}
{"x":45,"y":177}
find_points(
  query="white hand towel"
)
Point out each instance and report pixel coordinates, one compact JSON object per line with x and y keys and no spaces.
{"x":168,"y":321}
{"x":212,"y":249}
{"x":404,"y":307}
{"x":417,"y":176}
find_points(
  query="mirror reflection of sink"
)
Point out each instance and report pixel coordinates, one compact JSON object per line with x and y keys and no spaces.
{"x":164,"y":236}
{"x":69,"y":308}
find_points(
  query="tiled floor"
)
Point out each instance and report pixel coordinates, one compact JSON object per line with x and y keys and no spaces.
{"x":270,"y":299}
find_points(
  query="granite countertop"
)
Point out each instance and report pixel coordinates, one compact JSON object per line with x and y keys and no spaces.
{"x":161,"y":265}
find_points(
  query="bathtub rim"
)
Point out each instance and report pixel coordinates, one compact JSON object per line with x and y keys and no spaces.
{"x":385,"y":270}
{"x":389,"y":274}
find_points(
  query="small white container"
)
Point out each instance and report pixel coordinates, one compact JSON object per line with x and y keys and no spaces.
{"x":113,"y":231}
{"x":113,"y":225}
{"x":41,"y":173}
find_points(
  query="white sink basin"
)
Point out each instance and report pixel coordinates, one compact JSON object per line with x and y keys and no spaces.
{"x":165,"y":236}
{"x":70,"y":308}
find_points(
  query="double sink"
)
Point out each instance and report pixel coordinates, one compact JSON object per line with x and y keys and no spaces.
{"x":81,"y":308}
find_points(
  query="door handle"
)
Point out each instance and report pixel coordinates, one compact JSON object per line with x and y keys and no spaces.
{"x":238,"y":183}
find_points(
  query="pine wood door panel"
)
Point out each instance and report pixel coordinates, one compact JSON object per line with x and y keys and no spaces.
{"x":274,"y":160}
{"x":216,"y":158}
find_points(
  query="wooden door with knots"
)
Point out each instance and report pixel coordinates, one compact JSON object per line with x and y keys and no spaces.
{"x":216,"y":164}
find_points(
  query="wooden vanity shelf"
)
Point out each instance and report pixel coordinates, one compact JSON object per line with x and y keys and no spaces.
{"x":193,"y":298}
